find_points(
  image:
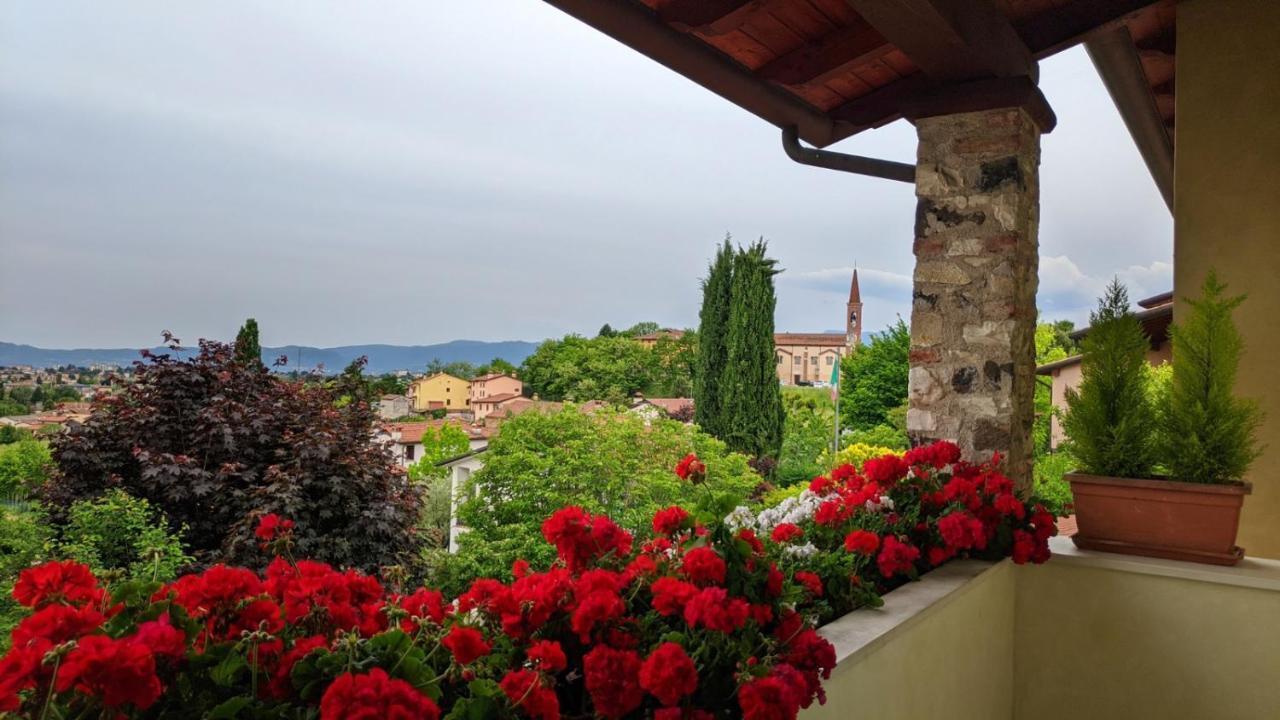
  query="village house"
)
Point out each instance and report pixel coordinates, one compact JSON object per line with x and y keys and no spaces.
{"x":1065,"y":374}
{"x":492,"y":392}
{"x":405,"y":439}
{"x":391,"y":407}
{"x":440,"y":391}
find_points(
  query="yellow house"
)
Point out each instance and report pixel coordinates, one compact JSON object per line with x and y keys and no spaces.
{"x":440,"y":391}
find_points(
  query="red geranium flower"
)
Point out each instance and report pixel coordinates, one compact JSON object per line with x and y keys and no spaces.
{"x":271,"y":526}
{"x":670,"y":595}
{"x":375,"y":696}
{"x":713,"y":609}
{"x":281,"y":679}
{"x":162,"y":638}
{"x":525,"y":690}
{"x":896,"y":557}
{"x":690,"y":468}
{"x":56,"y":624}
{"x":466,"y":644}
{"x":885,"y":470}
{"x":669,"y":521}
{"x":703,"y":566}
{"x":66,"y":582}
{"x":862,"y":542}
{"x":811,"y":582}
{"x":613,"y":680}
{"x":786,"y":532}
{"x":669,"y":673}
{"x":116,"y":672}
{"x":547,"y":656}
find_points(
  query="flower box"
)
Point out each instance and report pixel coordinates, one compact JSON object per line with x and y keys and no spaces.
{"x":1194,"y":522}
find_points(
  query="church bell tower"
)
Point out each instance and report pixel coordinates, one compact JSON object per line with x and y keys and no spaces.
{"x":853,"y":314}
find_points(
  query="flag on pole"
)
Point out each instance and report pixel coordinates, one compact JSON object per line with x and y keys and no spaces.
{"x":835,"y":398}
{"x":835,"y":381}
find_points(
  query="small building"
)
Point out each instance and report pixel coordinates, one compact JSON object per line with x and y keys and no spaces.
{"x":440,"y":391}
{"x":460,"y":489}
{"x":391,"y":407}
{"x":405,"y":439}
{"x":650,"y":339}
{"x":489,"y":392}
{"x":810,"y":358}
{"x":1065,"y":374}
{"x":653,"y":408}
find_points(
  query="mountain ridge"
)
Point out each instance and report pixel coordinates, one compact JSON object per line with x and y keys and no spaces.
{"x":382,"y":357}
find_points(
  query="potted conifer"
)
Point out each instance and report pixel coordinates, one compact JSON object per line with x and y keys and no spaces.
{"x":1196,"y":431}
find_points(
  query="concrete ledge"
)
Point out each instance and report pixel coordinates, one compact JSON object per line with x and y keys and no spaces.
{"x":1251,"y":572}
{"x":865,"y":629}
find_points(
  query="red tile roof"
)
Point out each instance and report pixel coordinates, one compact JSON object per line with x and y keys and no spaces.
{"x":496,"y":399}
{"x":832,"y":339}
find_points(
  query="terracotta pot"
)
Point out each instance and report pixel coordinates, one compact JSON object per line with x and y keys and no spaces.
{"x":1158,"y":518}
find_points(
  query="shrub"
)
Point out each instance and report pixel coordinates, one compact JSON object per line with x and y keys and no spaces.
{"x":607,"y":461}
{"x":1206,"y":432}
{"x":213,"y":443}
{"x":24,"y":467}
{"x":1110,"y":420}
{"x":855,"y":454}
{"x":24,"y":539}
{"x":1049,"y":482}
{"x":119,"y":532}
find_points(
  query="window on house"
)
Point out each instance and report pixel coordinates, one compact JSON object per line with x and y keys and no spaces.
{"x":408,"y":452}
{"x":831,"y":360}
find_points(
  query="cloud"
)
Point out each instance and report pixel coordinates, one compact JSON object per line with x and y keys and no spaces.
{"x":1068,"y":292}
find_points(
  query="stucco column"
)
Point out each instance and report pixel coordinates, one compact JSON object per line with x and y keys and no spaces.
{"x":973,"y":313}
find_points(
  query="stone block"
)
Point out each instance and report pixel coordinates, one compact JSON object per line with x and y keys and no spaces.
{"x":920,"y":420}
{"x":940,"y":273}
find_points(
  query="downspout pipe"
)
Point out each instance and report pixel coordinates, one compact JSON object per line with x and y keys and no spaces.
{"x":886,"y":169}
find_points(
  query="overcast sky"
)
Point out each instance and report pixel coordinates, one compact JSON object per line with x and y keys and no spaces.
{"x":429,"y":170}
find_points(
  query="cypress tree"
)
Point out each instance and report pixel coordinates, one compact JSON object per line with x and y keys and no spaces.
{"x":750,"y":396}
{"x":247,"y":348}
{"x":1110,"y":421}
{"x":713,"y":325}
{"x":1207,"y":434}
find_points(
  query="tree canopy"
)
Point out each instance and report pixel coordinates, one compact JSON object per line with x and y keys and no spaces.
{"x":248,"y":348}
{"x":713,"y":331}
{"x":873,"y":378}
{"x":612,"y":368}
{"x":751,"y":399}
{"x":213,"y":443}
{"x":606,"y":461}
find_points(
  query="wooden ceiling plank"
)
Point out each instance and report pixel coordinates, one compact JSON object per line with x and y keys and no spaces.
{"x":951,"y":40}
{"x":818,"y":62}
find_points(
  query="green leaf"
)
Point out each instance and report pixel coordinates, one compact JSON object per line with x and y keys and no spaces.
{"x":226,"y":671}
{"x":229,"y":709}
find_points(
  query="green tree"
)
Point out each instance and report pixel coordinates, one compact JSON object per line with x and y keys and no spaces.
{"x":1207,"y":434}
{"x":807,"y":433}
{"x":10,"y":434}
{"x":457,"y":368}
{"x":580,"y":369}
{"x":607,"y":461}
{"x":873,"y":378}
{"x":24,"y":540}
{"x":606,"y":330}
{"x":713,"y":349}
{"x":25,"y":465}
{"x":496,"y":366}
{"x":1049,"y":348}
{"x":646,"y":327}
{"x":674,"y":359}
{"x":752,"y":400}
{"x":248,"y":349}
{"x":441,"y":443}
{"x":1110,"y":420}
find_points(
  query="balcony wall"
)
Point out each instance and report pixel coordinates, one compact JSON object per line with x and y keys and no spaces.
{"x":1089,"y":635}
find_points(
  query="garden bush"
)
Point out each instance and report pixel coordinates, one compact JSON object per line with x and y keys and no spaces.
{"x":213,"y":443}
{"x":607,"y":461}
{"x":24,"y":467}
{"x":854,"y":454}
{"x":24,"y":541}
{"x":118,"y":532}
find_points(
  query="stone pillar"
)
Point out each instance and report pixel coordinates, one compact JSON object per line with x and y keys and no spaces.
{"x":973,"y":312}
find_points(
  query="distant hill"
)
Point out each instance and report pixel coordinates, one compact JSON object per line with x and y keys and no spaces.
{"x":382,"y":358}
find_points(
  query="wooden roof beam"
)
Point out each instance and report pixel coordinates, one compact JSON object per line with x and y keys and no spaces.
{"x":816,"y":63}
{"x":710,"y":17}
{"x":952,"y":40}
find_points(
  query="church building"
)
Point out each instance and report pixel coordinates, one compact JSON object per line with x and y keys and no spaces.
{"x":807,"y":358}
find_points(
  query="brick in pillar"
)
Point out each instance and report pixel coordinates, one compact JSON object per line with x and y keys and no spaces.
{"x":973,"y":312}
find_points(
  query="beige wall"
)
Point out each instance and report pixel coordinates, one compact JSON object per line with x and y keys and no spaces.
{"x":953,"y":661}
{"x":440,"y":388}
{"x":793,"y":362}
{"x":1069,"y":377}
{"x":1227,"y":188}
{"x":501,"y":385}
{"x":1076,"y":638}
{"x":1111,"y":645}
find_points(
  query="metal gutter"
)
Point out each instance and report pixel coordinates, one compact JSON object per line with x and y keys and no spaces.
{"x":873,"y":167}
{"x":1116,"y":59}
